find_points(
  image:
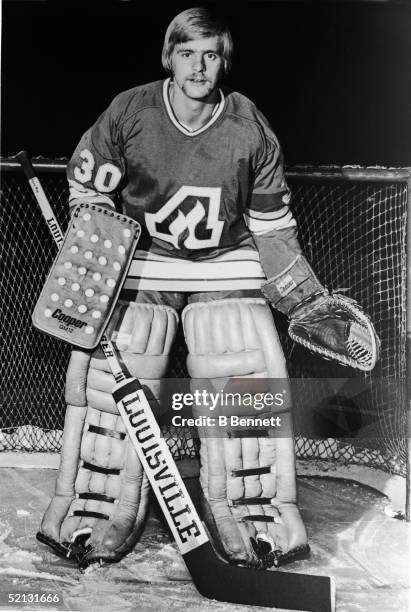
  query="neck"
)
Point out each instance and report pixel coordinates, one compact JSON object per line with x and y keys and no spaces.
{"x":192,"y":113}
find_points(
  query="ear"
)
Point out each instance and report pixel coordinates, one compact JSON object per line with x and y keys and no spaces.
{"x":170,"y":63}
{"x":227,"y":67}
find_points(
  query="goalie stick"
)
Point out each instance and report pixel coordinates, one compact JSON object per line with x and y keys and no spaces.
{"x":213,"y":577}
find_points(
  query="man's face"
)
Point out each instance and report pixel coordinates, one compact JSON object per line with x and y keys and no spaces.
{"x":197,"y":65}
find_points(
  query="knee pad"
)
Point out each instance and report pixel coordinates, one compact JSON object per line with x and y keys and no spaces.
{"x":101,"y":497}
{"x":143,"y":335}
{"x":248,"y":481}
{"x":234,"y":337}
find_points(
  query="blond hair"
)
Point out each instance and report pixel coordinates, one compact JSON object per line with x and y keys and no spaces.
{"x":192,"y":24}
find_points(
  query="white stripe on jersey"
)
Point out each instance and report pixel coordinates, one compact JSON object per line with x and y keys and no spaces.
{"x":78,"y":193}
{"x":237,"y":255}
{"x":262,"y":226}
{"x":240,"y":269}
{"x":203,"y":285}
{"x":268,"y":216}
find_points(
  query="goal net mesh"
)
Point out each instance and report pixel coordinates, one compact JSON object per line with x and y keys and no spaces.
{"x":354,"y":233}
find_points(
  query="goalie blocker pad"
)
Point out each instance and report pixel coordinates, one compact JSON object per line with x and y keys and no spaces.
{"x":84,"y":282}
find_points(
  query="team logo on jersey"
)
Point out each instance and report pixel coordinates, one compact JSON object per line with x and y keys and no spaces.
{"x":183,"y":228}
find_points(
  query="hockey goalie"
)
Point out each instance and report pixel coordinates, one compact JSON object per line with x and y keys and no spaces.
{"x":200,"y":169}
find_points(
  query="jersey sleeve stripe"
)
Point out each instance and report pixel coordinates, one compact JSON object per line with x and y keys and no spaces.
{"x":260,"y":226}
{"x":269,"y":201}
{"x":268,"y":216}
{"x":96,"y":199}
{"x":78,"y":187}
{"x":78,"y":192}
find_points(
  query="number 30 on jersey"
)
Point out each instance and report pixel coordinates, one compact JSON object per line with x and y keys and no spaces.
{"x":107,"y":176}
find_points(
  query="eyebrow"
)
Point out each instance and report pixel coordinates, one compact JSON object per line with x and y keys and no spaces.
{"x":185,"y":49}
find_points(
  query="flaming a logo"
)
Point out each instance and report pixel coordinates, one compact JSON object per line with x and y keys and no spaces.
{"x":182,"y":229}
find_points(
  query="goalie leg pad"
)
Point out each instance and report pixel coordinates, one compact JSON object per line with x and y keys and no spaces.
{"x":248,"y":482}
{"x":98,"y":510}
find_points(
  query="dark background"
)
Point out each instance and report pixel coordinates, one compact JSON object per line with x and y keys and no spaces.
{"x":333,"y":78}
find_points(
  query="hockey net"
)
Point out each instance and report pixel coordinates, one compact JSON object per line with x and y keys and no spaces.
{"x":353,"y":227}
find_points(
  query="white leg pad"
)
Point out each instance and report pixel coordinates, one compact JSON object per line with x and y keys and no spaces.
{"x":98,"y":510}
{"x":248,"y":482}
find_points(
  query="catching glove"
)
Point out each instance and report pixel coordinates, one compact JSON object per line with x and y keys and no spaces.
{"x":330,"y":324}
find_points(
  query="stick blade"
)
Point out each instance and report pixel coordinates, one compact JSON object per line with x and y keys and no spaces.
{"x":216,"y":579}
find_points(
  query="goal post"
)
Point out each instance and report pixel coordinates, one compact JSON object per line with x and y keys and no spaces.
{"x":353,"y":228}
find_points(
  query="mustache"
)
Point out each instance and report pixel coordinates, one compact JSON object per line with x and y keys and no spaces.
{"x":197,"y":77}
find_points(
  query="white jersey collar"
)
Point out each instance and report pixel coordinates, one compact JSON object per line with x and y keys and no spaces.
{"x":216,"y":113}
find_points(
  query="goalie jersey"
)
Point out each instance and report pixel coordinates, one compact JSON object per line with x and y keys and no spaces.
{"x":198,"y":195}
